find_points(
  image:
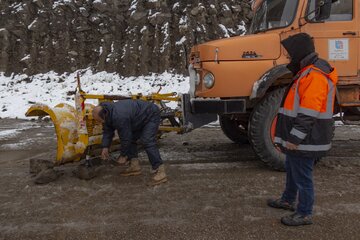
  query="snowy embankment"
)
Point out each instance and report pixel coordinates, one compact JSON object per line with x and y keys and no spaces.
{"x":19,"y":92}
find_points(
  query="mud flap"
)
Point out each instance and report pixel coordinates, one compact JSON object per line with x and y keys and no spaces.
{"x":192,"y":120}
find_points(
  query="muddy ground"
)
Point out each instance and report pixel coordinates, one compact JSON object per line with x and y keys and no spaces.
{"x":217,"y":190}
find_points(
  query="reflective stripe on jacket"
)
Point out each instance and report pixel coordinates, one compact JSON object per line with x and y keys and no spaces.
{"x":305,"y":117}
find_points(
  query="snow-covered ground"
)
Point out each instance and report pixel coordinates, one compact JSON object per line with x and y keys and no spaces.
{"x":18,"y":92}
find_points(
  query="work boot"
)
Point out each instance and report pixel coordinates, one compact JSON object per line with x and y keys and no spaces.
{"x":134,"y":169}
{"x":281,"y":204}
{"x":296,"y":219}
{"x":159,"y":176}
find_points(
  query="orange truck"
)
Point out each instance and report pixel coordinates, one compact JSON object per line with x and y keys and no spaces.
{"x":242,"y":79}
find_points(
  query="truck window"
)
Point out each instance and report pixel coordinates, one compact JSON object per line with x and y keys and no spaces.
{"x":273,"y":14}
{"x":342,"y":10}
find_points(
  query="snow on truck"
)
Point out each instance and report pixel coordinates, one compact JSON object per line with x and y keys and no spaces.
{"x":239,"y":80}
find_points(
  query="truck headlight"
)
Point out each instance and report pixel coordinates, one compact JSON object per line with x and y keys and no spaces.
{"x":209,"y":80}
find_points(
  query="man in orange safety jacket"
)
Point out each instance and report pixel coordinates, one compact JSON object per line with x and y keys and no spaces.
{"x":305,"y":125}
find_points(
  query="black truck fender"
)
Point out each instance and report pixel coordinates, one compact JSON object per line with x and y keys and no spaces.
{"x":262,"y":85}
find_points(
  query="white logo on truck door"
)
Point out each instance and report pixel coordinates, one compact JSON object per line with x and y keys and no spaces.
{"x":338,"y":49}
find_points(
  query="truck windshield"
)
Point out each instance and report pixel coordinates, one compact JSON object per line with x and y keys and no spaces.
{"x":273,"y":14}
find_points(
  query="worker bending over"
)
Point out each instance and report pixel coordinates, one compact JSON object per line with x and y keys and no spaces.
{"x":133,"y":120}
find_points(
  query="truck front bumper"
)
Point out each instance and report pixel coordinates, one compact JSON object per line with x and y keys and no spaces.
{"x":218,"y":106}
{"x":200,"y":112}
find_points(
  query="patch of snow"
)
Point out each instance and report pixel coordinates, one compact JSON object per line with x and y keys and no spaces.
{"x":183,"y":20}
{"x":124,"y":51}
{"x":154,"y":15}
{"x":176,"y":5}
{"x":224,"y":29}
{"x":339,"y":123}
{"x":11,"y":133}
{"x":19,"y":92}
{"x":143,"y":29}
{"x":165,"y":31}
{"x":31,"y":24}
{"x":17,"y":7}
{"x":231,"y":31}
{"x":257,"y":85}
{"x":60,"y":2}
{"x":207,"y":166}
{"x":225,"y":7}
{"x":25,"y":58}
{"x":8,"y":133}
{"x":242,"y":28}
{"x":181,"y":41}
{"x":215,"y":124}
{"x":14,"y":146}
{"x":133,"y":7}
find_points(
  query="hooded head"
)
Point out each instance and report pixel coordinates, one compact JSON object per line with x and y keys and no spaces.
{"x":298,"y":47}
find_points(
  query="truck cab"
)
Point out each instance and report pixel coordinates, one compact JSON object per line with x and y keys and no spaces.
{"x":242,"y":79}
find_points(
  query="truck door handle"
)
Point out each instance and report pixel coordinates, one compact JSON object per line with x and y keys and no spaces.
{"x":349,"y":33}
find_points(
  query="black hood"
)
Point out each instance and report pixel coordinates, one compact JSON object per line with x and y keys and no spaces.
{"x":298,"y":46}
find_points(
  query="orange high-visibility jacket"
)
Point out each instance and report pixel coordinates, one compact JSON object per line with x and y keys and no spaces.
{"x":305,"y":117}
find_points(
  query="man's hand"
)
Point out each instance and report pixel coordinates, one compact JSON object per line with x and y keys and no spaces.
{"x":105,"y":154}
{"x":291,"y":146}
{"x":122,"y":160}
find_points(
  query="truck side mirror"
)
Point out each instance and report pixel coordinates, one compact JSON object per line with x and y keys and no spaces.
{"x":323,"y":9}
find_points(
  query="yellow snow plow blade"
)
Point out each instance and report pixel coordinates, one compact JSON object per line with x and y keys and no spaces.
{"x":71,"y":145}
{"x":63,"y":117}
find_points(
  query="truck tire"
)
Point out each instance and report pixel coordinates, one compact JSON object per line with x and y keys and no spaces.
{"x":234,"y":130}
{"x":262,"y":130}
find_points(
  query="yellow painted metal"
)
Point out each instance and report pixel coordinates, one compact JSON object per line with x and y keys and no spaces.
{"x":171,"y":129}
{"x":83,"y":138}
{"x":93,"y":96}
{"x":65,"y":123}
{"x":152,"y":97}
{"x":93,"y":128}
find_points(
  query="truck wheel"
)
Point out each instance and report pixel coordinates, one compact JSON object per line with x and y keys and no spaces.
{"x":262,"y":130}
{"x":234,"y":129}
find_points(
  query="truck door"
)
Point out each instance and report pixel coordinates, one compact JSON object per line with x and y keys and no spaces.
{"x":337,"y":38}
